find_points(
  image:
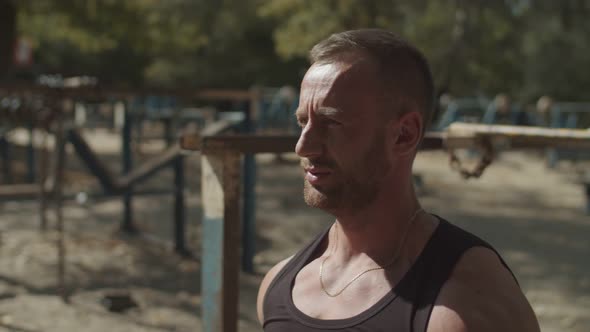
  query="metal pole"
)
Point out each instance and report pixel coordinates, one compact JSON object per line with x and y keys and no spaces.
{"x":587,"y":187}
{"x":127,"y":225}
{"x":58,"y":194}
{"x":30,"y":156}
{"x":179,"y":218}
{"x":168,"y":135}
{"x":6,"y":160}
{"x":249,"y":217}
{"x":249,"y":198}
{"x":43,"y":195}
{"x":179,"y":205}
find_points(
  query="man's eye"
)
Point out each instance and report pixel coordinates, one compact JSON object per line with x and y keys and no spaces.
{"x":301,"y":123}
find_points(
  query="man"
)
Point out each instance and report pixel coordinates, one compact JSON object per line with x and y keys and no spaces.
{"x":385,"y":264}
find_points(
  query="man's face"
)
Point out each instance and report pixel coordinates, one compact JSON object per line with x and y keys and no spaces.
{"x":343,"y":143}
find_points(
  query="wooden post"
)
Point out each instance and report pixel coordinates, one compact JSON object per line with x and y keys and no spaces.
{"x":221,"y":238}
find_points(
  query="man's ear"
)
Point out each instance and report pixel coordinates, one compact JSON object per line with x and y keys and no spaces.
{"x":408,"y":133}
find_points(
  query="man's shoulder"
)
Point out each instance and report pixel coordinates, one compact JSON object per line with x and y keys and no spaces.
{"x":266,"y":281}
{"x":481,"y":295}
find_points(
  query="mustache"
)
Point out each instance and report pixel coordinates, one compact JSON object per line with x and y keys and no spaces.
{"x":323,"y":163}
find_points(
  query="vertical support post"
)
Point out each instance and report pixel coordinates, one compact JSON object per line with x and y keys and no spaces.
{"x":127,"y":224}
{"x":179,"y":206}
{"x":587,"y":187}
{"x":43,"y":195}
{"x":79,"y":114}
{"x":249,"y":192}
{"x":179,"y":217}
{"x":556,"y":122}
{"x":60,"y":159}
{"x":221,"y":237}
{"x":6,"y":160}
{"x":249,"y":216}
{"x":31,"y":155}
{"x":168,"y":135}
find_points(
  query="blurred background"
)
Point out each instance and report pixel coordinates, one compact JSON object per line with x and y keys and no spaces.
{"x":111,"y":239}
{"x":525,"y":48}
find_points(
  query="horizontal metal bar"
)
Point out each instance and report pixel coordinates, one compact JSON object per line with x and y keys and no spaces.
{"x":281,"y":143}
{"x":149,"y":168}
{"x":458,"y":135}
{"x":466,"y":135}
{"x":192,"y":139}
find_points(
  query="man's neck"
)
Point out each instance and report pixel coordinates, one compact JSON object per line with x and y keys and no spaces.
{"x":377,"y":229}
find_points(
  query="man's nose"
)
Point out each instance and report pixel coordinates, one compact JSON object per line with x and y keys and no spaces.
{"x":310,"y":143}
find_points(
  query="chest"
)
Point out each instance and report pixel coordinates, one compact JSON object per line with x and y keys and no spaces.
{"x":355,"y":295}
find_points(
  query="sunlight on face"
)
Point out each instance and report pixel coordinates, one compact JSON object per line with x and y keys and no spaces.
{"x":356,"y":184}
{"x":342,"y":143}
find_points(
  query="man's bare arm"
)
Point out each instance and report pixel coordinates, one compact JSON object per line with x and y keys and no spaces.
{"x":481,"y":295}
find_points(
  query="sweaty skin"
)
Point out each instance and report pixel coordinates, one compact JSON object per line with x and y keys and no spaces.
{"x":357,"y":166}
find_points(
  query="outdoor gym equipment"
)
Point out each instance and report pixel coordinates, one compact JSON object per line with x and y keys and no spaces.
{"x":568,"y":115}
{"x":221,"y":173}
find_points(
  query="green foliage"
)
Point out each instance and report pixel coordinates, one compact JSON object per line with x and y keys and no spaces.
{"x":526,"y":48}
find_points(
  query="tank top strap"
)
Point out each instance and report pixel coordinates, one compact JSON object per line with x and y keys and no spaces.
{"x":295,"y":264}
{"x":433,"y":269}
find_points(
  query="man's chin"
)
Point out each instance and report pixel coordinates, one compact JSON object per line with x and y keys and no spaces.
{"x":316,"y":197}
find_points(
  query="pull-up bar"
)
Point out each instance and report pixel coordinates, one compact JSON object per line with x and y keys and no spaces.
{"x":221,"y":174}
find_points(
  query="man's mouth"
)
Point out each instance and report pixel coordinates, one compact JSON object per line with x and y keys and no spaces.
{"x":316,"y":175}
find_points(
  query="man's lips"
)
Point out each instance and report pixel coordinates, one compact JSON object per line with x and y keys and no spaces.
{"x":315,"y":175}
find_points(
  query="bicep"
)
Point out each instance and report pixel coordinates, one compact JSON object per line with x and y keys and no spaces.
{"x":266,"y":281}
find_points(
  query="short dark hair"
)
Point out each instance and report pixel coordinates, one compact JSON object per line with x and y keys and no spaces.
{"x":405,"y":71}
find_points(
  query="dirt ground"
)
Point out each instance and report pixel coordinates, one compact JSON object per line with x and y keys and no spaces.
{"x":534,"y":216}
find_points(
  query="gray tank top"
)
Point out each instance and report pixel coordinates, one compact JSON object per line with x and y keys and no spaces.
{"x":406,"y":308}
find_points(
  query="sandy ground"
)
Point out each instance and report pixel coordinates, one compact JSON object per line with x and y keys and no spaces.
{"x":534,"y":216}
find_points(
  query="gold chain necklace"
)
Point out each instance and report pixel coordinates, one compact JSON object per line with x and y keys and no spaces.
{"x":395,"y":258}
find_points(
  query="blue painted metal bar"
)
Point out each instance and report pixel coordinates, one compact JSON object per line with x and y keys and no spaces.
{"x":566,"y":115}
{"x":212,"y":270}
{"x":464,"y":110}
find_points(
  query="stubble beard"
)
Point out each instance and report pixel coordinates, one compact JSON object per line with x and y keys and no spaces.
{"x":359,"y":185}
